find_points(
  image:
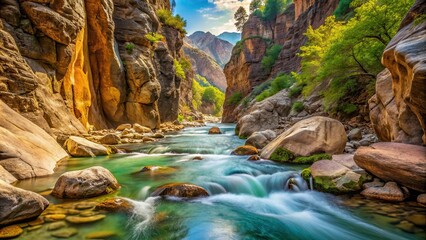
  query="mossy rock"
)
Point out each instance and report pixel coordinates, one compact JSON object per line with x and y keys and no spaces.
{"x":245,"y":150}
{"x":311,"y":159}
{"x":306,"y":174}
{"x":282,"y":155}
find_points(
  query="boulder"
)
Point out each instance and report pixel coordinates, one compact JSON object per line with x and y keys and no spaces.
{"x":184,"y":190}
{"x":141,"y":129}
{"x":215,"y":130}
{"x":398,"y":162}
{"x":245,"y":150}
{"x":18,"y":205}
{"x":124,"y":126}
{"x":310,"y":136}
{"x":336,"y":177}
{"x":389,"y":192}
{"x":355,"y":134}
{"x":261,"y":139}
{"x":110,"y":139}
{"x":116,"y":205}
{"x":90,"y":182}
{"x":81,"y":147}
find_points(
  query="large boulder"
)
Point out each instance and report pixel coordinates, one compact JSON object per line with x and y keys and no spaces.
{"x":17,"y":204}
{"x":26,"y":150}
{"x":339,"y":175}
{"x":261,"y":139}
{"x":398,"y":162}
{"x":90,"y":182}
{"x":310,"y":136}
{"x":81,"y":147}
{"x":184,"y":190}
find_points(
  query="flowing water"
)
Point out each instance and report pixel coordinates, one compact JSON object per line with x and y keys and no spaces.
{"x":248,"y":199}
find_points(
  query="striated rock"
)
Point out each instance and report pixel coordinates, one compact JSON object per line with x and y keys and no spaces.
{"x":398,"y":111}
{"x":389,"y":192}
{"x":215,"y":130}
{"x":90,"y":182}
{"x":245,"y":150}
{"x":116,"y":205}
{"x":110,"y":139}
{"x":26,"y":150}
{"x":80,"y":147}
{"x":399,"y":162}
{"x":261,"y":139}
{"x":184,"y":190}
{"x":18,"y":204}
{"x":310,"y":136}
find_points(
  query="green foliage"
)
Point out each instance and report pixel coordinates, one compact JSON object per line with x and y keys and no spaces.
{"x":205,"y":93}
{"x":240,"y":17}
{"x":296,"y":90}
{"x":235,"y":98}
{"x":129,"y":47}
{"x":298,"y":106}
{"x":342,"y":8}
{"x":306,"y":174}
{"x":282,"y":81}
{"x":311,"y":159}
{"x":348,"y":108}
{"x":273,"y":8}
{"x":179,"y":69}
{"x":197,"y":93}
{"x":190,"y":118}
{"x":154,"y":37}
{"x":177,"y":22}
{"x":282,"y":155}
{"x":185,"y":63}
{"x":255,"y":5}
{"x":271,"y":57}
{"x":346,"y":55}
{"x":180,"y":118}
{"x":419,"y":19}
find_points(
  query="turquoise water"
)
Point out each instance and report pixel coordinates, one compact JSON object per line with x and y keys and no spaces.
{"x":249,"y":200}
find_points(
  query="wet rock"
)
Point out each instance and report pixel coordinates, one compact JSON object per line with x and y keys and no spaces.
{"x":128,"y":131}
{"x":36,"y":222}
{"x":148,"y":139}
{"x":254,"y":158}
{"x":54,"y":217}
{"x":10,"y":231}
{"x":124,"y":126}
{"x":78,"y":220}
{"x":197,"y":158}
{"x":80,"y":147}
{"x":110,"y":139}
{"x":34,"y":228}
{"x":422,"y":198}
{"x":375,"y":183}
{"x":64,"y":232}
{"x":245,"y":150}
{"x":398,"y":162}
{"x":17,"y":204}
{"x":90,"y":182}
{"x":6,"y":176}
{"x":417,"y":219}
{"x":116,"y":205}
{"x":157,"y":170}
{"x":184,"y":190}
{"x":56,"y":225}
{"x":355,"y":134}
{"x":310,"y":136}
{"x":85,"y":205}
{"x":100,"y":235}
{"x":158,"y":135}
{"x":406,"y":226}
{"x":141,"y":129}
{"x":261,"y":139}
{"x":215,"y":130}
{"x":389,"y":192}
{"x":87,"y":214}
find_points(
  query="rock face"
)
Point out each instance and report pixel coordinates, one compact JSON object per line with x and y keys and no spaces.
{"x":244,"y":71}
{"x":205,"y":66}
{"x":398,"y":162}
{"x":184,"y":190}
{"x":90,"y":182}
{"x":220,"y":50}
{"x":20,"y":141}
{"x":398,"y":110}
{"x":81,"y":147}
{"x":310,"y":136}
{"x":17,"y":204}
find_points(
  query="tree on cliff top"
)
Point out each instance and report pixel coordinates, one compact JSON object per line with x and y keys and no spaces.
{"x":273,"y":8}
{"x":255,"y":5}
{"x":240,"y":17}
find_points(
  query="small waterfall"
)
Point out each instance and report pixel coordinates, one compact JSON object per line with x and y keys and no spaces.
{"x":142,"y":217}
{"x":311,"y":183}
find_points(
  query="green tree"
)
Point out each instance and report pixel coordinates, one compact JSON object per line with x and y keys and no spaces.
{"x":274,"y":7}
{"x":255,"y":5}
{"x":240,"y":17}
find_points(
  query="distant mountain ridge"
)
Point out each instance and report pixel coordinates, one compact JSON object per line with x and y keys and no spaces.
{"x":220,"y":50}
{"x":232,"y":37}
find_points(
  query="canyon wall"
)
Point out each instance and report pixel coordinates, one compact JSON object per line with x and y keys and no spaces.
{"x":244,"y":71}
{"x":398,"y":110}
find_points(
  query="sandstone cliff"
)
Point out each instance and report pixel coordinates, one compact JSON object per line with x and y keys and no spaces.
{"x":244,"y":71}
{"x":220,"y":50}
{"x":398,"y":110}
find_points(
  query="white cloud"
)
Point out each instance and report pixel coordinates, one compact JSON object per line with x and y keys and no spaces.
{"x":211,"y":17}
{"x":231,"y":5}
{"x":226,"y":27}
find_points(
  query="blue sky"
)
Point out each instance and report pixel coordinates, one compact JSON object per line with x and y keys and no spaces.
{"x":215,"y":16}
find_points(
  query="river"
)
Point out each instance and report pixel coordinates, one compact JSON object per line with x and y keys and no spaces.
{"x":248,"y":199}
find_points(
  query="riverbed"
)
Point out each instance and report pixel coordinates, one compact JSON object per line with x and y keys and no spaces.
{"x":247,"y":199}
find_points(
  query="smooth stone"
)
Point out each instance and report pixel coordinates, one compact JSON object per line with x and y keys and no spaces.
{"x":36,"y":222}
{"x":85,"y":205}
{"x":245,"y":150}
{"x":254,"y":158}
{"x":81,"y":147}
{"x":54,"y":217}
{"x":116,"y":205}
{"x":100,"y":235}
{"x":88,"y":214}
{"x":34,"y":228}
{"x":124,"y":126}
{"x":10,"y":231}
{"x":141,"y":129}
{"x":215,"y":130}
{"x":110,"y":139}
{"x":56,"y":225}
{"x":64,"y":232}
{"x":417,"y":219}
{"x":78,"y":220}
{"x":73,"y":212}
{"x":389,"y":192}
{"x":180,"y":190}
{"x":355,"y":134}
{"x":198,"y":158}
{"x":158,"y":135}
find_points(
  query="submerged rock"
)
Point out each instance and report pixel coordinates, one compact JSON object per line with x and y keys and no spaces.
{"x":65,"y":232}
{"x":310,"y":136}
{"x":17,"y":204}
{"x":398,"y":162}
{"x":245,"y":150}
{"x":78,"y":220}
{"x":81,"y":147}
{"x":90,"y":182}
{"x":184,"y":190}
{"x":101,"y":235}
{"x":254,"y":158}
{"x":215,"y":130}
{"x":389,"y":192}
{"x":10,"y":231}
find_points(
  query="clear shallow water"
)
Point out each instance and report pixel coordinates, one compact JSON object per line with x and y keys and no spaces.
{"x":248,"y":199}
